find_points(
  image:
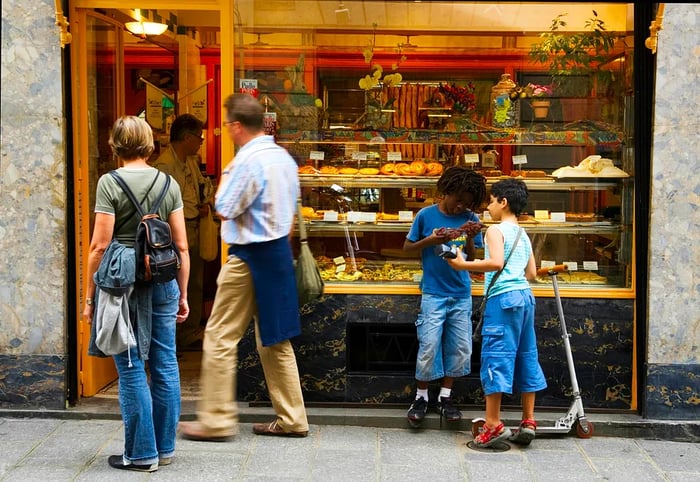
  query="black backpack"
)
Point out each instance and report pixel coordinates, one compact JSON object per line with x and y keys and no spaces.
{"x":157,"y":257}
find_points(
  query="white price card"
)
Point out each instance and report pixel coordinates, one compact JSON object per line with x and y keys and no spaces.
{"x":520,"y":159}
{"x":571,"y":265}
{"x":339,"y":260}
{"x":340,"y":268}
{"x":471,"y":158}
{"x":354,"y":216}
{"x":486,"y":216}
{"x":368,"y":217}
{"x":547,"y":264}
{"x":330,"y":216}
{"x":317,"y":155}
{"x":541,"y":214}
{"x":590,"y":265}
{"x":558,"y":217}
{"x":359,"y":156}
{"x":393,"y":156}
{"x":405,"y":215}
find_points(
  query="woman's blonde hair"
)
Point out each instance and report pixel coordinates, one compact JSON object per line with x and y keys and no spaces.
{"x":131,"y":138}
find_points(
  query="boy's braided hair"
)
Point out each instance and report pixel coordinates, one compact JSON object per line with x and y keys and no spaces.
{"x":459,"y":180}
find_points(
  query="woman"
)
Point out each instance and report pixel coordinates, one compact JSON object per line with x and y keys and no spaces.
{"x":150,"y":413}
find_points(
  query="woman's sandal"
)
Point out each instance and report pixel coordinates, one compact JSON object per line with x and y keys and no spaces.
{"x":525,"y":433}
{"x":491,"y":436}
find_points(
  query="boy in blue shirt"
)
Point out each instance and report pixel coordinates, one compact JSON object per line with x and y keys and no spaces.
{"x":444,"y":327}
{"x":509,"y":348}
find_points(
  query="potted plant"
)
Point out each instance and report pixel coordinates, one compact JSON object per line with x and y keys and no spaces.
{"x":539,"y":99}
{"x":574,"y":58}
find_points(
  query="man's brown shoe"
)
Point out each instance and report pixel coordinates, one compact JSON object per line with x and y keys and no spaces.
{"x":197,"y":431}
{"x":273,"y":428}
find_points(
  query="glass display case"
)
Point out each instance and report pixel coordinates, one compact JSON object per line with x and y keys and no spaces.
{"x":360,"y":193}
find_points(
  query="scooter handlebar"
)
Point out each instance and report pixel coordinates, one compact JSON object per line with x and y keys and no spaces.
{"x":552,"y":270}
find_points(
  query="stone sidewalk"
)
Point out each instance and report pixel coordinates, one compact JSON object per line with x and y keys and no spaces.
{"x":60,"y":449}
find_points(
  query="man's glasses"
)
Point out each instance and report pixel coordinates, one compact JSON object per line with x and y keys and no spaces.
{"x":199,"y":135}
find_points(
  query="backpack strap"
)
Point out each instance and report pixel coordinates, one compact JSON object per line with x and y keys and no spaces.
{"x":161,"y":196}
{"x":126,"y":189}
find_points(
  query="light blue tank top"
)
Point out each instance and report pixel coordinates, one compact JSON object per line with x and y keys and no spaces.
{"x":513,"y":276}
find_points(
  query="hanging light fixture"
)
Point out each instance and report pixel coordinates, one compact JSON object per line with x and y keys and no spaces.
{"x":143,"y":29}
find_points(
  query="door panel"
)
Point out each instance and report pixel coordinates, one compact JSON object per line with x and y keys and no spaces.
{"x":97,"y":103}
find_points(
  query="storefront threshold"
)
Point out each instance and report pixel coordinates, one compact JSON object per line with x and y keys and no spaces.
{"x":605,"y":424}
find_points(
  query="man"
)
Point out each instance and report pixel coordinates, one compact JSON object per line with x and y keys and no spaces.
{"x":185,"y":140}
{"x":257,"y":201}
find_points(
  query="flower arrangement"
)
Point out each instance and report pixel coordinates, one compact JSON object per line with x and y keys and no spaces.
{"x":460,"y":99}
{"x":531,"y":90}
{"x":374,"y":78}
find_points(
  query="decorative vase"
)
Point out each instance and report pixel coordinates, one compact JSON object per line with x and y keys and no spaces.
{"x":505,"y":112}
{"x":540,"y":108}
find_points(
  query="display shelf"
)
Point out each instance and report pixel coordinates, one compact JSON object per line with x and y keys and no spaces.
{"x":594,"y":137}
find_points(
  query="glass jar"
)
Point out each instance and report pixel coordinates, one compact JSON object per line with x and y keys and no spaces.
{"x":505,"y":112}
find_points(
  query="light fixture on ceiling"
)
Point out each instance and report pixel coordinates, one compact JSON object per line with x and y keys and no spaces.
{"x":143,"y":29}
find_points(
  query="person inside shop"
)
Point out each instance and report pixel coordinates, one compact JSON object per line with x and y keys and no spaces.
{"x":149,"y":402}
{"x":179,"y":160}
{"x":509,"y":355}
{"x":444,"y":323}
{"x":256,"y":199}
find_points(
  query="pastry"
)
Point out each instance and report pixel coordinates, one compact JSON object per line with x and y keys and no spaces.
{"x":387,"y":168}
{"x":369,"y":171}
{"x":307,"y":170}
{"x":347,"y":170}
{"x":308,"y":212}
{"x":433,"y":169}
{"x":492,"y":173}
{"x":417,"y":168}
{"x":402,"y":169}
{"x":329,"y":170}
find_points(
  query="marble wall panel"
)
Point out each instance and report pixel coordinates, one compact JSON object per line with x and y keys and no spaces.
{"x":33,"y":199}
{"x":601,"y":344}
{"x":32,"y":381}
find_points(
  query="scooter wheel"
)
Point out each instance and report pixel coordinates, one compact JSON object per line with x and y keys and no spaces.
{"x":584,"y":432}
{"x":477,"y":426}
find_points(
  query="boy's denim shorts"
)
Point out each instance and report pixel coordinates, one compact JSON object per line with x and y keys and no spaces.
{"x":444,"y":329}
{"x":509,"y":347}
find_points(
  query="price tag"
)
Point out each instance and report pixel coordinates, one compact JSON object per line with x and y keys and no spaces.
{"x":405,"y":215}
{"x":520,"y":159}
{"x":590,"y":265}
{"x":354,"y":216}
{"x":317,"y":155}
{"x":359,"y":156}
{"x":339,"y":260}
{"x":340,"y":268}
{"x":486,"y":216}
{"x":541,"y":214}
{"x":471,"y":158}
{"x":368,"y":217}
{"x":558,"y":217}
{"x":571,"y":265}
{"x":547,"y":264}
{"x":417,"y":278}
{"x":330,"y":216}
{"x":393,"y":156}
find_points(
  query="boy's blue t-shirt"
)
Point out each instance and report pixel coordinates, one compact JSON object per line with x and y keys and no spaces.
{"x":438,"y":276}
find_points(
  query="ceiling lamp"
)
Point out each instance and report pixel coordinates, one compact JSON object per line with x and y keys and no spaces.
{"x":143,"y":29}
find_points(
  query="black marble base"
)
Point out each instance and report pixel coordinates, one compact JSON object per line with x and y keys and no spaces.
{"x":673,"y":392}
{"x":339,"y":368}
{"x":32,"y":381}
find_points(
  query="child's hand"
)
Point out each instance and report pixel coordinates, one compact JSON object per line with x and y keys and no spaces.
{"x":460,"y":262}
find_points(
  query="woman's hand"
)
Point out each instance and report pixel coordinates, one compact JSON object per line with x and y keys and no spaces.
{"x":88,"y":311}
{"x":183,"y":310}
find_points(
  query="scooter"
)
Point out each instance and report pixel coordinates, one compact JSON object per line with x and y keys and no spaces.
{"x":575,"y":417}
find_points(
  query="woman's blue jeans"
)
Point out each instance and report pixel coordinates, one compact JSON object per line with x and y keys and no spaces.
{"x":151,"y":411}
